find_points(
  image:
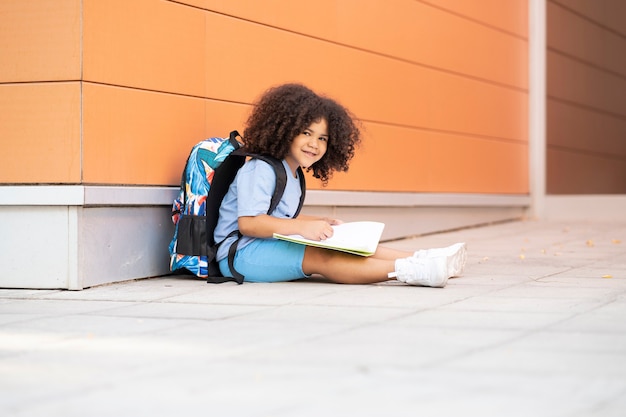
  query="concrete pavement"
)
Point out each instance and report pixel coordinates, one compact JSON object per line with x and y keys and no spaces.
{"x":535,"y":327}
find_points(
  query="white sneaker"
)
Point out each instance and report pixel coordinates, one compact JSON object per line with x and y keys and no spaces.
{"x":428,"y":272}
{"x":458,"y":251}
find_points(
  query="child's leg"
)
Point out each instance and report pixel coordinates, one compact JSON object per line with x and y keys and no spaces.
{"x":344,"y":268}
{"x":390,"y":254}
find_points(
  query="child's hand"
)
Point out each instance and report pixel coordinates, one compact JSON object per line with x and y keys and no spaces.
{"x":317,"y":230}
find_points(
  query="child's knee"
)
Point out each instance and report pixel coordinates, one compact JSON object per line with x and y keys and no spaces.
{"x":317,"y":260}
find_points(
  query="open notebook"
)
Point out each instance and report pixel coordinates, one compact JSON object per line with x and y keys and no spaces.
{"x":358,"y":238}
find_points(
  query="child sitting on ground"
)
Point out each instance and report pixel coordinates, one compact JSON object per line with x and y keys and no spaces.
{"x":305,"y":130}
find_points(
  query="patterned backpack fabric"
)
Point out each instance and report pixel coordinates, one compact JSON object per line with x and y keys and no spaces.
{"x":210,"y":169}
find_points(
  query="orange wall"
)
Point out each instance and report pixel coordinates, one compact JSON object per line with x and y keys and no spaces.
{"x":40,"y":91}
{"x":586,"y":97}
{"x":441,"y":88}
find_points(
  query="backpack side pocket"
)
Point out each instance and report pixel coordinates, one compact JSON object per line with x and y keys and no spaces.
{"x":192,"y":239}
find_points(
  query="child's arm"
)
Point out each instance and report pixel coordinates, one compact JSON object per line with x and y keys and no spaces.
{"x":264,"y":226}
{"x":328,"y":219}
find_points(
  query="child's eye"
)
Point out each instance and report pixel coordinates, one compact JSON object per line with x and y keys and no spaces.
{"x":323,"y":138}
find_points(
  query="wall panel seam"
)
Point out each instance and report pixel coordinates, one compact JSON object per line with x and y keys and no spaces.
{"x":587,"y":107}
{"x":588,"y":19}
{"x":452,"y":12}
{"x":587,"y":63}
{"x":40,"y":82}
{"x":382,"y":123}
{"x":448,"y":132}
{"x":149,"y":90}
{"x":471,"y":19}
{"x":81,"y":110}
{"x":375,"y":53}
{"x":394,"y":58}
{"x":578,"y":151}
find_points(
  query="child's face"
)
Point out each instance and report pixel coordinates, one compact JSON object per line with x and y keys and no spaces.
{"x":309,"y":146}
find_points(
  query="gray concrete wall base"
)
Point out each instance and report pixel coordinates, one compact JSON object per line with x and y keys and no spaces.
{"x":72,"y":247}
{"x":75,"y":237}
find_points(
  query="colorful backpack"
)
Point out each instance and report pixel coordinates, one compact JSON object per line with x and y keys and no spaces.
{"x":210,"y":169}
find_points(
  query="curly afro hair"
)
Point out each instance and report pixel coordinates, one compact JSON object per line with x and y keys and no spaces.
{"x":285,"y":111}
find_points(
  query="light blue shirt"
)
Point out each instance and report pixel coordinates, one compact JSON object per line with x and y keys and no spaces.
{"x":250,"y":195}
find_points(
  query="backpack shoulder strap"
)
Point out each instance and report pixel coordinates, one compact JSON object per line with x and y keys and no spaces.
{"x":303,"y":191}
{"x":281,"y":182}
{"x":281,"y":179}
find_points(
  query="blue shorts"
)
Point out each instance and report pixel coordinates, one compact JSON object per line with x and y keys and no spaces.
{"x":268,"y":260}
